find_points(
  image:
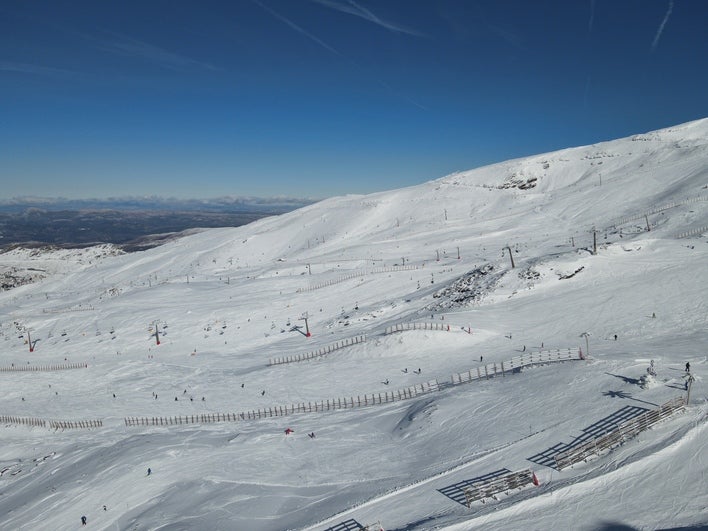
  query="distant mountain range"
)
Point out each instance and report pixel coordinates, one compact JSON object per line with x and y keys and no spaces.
{"x":127,"y":221}
{"x":218,"y":204}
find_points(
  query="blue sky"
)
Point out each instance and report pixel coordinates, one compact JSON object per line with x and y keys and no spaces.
{"x":314,"y":98}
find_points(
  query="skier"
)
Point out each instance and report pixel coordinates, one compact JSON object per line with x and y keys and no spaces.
{"x":688,"y":367}
{"x":311,"y":435}
{"x":83,"y":520}
{"x":149,"y":471}
{"x":288,"y":431}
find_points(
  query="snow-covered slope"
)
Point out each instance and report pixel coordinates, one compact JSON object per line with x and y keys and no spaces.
{"x":226,"y":301}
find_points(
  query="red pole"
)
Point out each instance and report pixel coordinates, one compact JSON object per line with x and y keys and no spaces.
{"x":307,"y":329}
{"x":157,"y":334}
{"x":29,"y":340}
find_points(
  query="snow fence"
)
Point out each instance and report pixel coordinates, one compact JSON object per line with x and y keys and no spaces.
{"x":331,"y":404}
{"x":319,"y":352}
{"x":403,"y":327}
{"x":491,"y":370}
{"x":623,"y":432}
{"x":34,"y":368}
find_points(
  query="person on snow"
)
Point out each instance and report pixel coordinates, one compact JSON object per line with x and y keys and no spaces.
{"x":83,"y":520}
{"x":149,"y":471}
{"x":688,"y":367}
{"x":288,"y":431}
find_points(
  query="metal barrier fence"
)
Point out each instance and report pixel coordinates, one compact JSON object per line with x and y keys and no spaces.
{"x":619,"y":435}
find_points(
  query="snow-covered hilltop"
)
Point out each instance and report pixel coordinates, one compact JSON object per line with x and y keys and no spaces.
{"x":409,"y":294}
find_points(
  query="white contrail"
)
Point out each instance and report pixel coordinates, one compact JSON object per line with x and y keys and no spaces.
{"x":297,"y":28}
{"x":352,"y":8}
{"x":592,"y":15}
{"x":661,"y":26}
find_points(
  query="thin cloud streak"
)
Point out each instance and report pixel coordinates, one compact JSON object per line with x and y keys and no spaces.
{"x":127,"y":46}
{"x":297,"y":28}
{"x":352,"y":8}
{"x":334,"y":51}
{"x":661,"y":26}
{"x":27,"y":68}
{"x":592,"y":15}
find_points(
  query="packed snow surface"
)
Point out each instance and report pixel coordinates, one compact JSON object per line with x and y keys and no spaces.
{"x":225,"y":304}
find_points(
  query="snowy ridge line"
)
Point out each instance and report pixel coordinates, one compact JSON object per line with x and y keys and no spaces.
{"x":622,"y":433}
{"x":693,"y":232}
{"x":514,"y":365}
{"x":356,"y":274}
{"x":24,"y":421}
{"x":281,"y":411}
{"x":417,"y":325}
{"x":319,"y":352}
{"x":37,"y":368}
{"x":656,"y":210}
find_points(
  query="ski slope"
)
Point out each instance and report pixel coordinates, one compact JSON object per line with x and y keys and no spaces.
{"x":226,"y":301}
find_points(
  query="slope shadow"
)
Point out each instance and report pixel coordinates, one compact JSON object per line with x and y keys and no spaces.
{"x":347,"y":525}
{"x":626,"y":379}
{"x":624,"y":394}
{"x":599,"y":428}
{"x":456,"y":491}
{"x":420,"y":524}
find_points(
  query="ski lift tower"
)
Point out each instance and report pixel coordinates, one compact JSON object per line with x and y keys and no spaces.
{"x":156,"y":324}
{"x":587,"y":346}
{"x":307,"y":328}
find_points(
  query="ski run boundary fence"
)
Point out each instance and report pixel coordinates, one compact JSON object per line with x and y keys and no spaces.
{"x":35,"y":368}
{"x":351,"y":402}
{"x":356,"y":274}
{"x":54,"y":424}
{"x":332,"y":404}
{"x":404,"y":327}
{"x":491,"y":370}
{"x":319,"y":352}
{"x":656,"y":210}
{"x":693,"y":232}
{"x":23,"y":421}
{"x":75,"y":424}
{"x":623,"y":432}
